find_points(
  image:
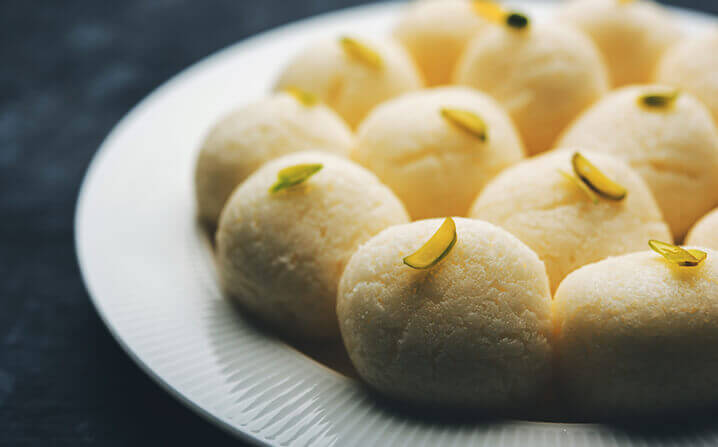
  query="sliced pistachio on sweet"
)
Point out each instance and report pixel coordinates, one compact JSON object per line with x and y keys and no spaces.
{"x":493,"y":12}
{"x":597,"y":180}
{"x":302,"y":96}
{"x":436,"y":249}
{"x":467,"y":121}
{"x":294,"y":175}
{"x":489,"y":10}
{"x":659,"y":100}
{"x":581,"y":185}
{"x":678,"y":255}
{"x":361,"y":52}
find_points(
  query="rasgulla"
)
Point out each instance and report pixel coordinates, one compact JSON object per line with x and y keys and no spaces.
{"x":280,"y":253}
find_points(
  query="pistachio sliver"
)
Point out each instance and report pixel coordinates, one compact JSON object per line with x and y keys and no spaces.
{"x":467,"y":121}
{"x":361,"y":52}
{"x":302,"y":96}
{"x":294,"y":175}
{"x":658,"y":100}
{"x":581,"y":185}
{"x":436,"y":248}
{"x":678,"y":255}
{"x":491,"y":11}
{"x":597,"y":180}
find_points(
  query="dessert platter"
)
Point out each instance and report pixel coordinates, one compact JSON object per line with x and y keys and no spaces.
{"x":439,"y":222}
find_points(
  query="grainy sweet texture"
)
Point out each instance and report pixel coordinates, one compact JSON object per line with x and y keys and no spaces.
{"x":637,"y":333}
{"x":349,"y":86}
{"x":674,"y":148}
{"x":553,"y":216}
{"x":281,"y":254}
{"x":691,"y":65}
{"x":435,"y":32}
{"x":631,"y":35}
{"x":705,"y":232}
{"x":544,"y":76}
{"x":471,"y":331}
{"x":434,"y":166}
{"x":252,"y":135}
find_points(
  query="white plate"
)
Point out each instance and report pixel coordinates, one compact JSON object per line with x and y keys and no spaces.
{"x":149,"y":272}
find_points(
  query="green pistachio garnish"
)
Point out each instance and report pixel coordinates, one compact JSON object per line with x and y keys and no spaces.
{"x":493,"y":12}
{"x":658,"y":100}
{"x":294,"y":175}
{"x":678,"y":255}
{"x":597,"y":180}
{"x":467,"y":121}
{"x":362,"y":53}
{"x":581,"y":185}
{"x":436,"y":249}
{"x":302,"y":96}
{"x":489,"y":10}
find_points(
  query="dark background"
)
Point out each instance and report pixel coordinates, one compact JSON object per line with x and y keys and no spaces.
{"x":69,"y":70}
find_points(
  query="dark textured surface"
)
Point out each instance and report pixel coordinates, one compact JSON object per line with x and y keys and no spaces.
{"x":69,"y":70}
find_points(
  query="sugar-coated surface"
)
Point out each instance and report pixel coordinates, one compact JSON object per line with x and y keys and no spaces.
{"x":631,"y":36}
{"x":435,"y":32}
{"x":550,"y":214}
{"x":256,"y":133}
{"x":705,"y":232}
{"x":435,"y":167}
{"x":347,"y":85}
{"x":637,"y":333}
{"x":675,"y":151}
{"x":692,"y":66}
{"x":471,"y":331}
{"x":544,"y":76}
{"x":281,"y":255}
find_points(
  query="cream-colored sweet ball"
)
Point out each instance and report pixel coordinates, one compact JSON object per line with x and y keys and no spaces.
{"x":473,"y":331}
{"x":281,"y":254}
{"x":248,"y":137}
{"x":674,"y":148}
{"x":705,"y":232}
{"x":543,"y":75}
{"x":631,"y":35}
{"x":691,"y":65}
{"x":637,"y":333}
{"x":434,"y":164}
{"x":435,"y":32}
{"x":353,"y":74}
{"x":558,"y":220}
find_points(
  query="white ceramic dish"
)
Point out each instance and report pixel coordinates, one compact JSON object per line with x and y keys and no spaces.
{"x":148,"y":268}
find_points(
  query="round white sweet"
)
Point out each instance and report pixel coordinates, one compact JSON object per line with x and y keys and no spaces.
{"x":281,"y":254}
{"x":348,"y":85}
{"x":435,"y":32}
{"x":434,"y":166}
{"x":553,"y":216}
{"x":674,"y":149}
{"x":254,"y":134}
{"x":637,"y":333}
{"x":705,"y":232}
{"x":544,"y":76}
{"x":471,"y":331}
{"x":691,"y":65}
{"x":631,"y":36}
